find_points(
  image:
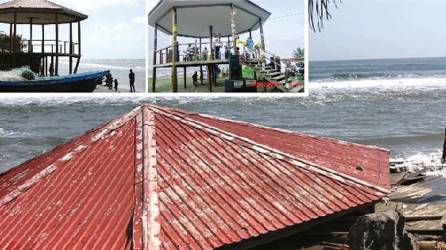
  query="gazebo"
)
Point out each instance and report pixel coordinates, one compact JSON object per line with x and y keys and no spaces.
{"x":201,"y":19}
{"x":36,"y":52}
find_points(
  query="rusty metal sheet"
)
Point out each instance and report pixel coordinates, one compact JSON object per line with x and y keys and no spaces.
{"x":218,"y":187}
{"x":80,"y":195}
{"x":158,"y":178}
{"x":368,"y":163}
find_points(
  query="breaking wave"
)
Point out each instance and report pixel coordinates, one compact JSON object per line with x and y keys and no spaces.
{"x":381,"y":84}
{"x":430,"y":162}
{"x":9,"y":134}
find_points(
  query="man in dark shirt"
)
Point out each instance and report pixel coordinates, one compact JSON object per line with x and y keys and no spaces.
{"x":195,"y":79}
{"x":443,"y":158}
{"x":132,"y":81}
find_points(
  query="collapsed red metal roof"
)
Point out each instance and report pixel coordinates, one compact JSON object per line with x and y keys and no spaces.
{"x":159,"y":178}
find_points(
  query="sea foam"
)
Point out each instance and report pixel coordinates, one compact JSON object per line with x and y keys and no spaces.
{"x":381,"y":84}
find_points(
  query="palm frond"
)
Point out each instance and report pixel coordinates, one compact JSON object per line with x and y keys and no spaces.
{"x":319,"y":11}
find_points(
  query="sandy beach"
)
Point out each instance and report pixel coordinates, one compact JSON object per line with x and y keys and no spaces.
{"x":105,"y":89}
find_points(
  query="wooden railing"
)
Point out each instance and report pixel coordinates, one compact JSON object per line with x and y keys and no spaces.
{"x":49,"y":46}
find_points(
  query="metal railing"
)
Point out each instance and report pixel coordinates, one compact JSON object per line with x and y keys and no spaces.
{"x":164,"y":55}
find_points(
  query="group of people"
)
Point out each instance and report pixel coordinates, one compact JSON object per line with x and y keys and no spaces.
{"x":250,"y":51}
{"x":114,"y":84}
{"x":275,"y":63}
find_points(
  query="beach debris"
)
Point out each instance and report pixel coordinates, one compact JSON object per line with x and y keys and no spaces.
{"x":381,"y":230}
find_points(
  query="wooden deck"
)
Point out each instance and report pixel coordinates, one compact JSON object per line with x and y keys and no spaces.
{"x":193,"y":63}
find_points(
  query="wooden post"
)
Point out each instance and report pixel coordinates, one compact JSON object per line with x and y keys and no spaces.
{"x":79,"y":41}
{"x":155,"y":48}
{"x":30,"y":42}
{"x":443,"y":158}
{"x":211,"y":43}
{"x":70,"y":62}
{"x":56,"y":69}
{"x":201,"y":45}
{"x":15,"y":32}
{"x":185,"y":80}
{"x":13,"y":41}
{"x":174,"y":51}
{"x":210,"y":67}
{"x":201,"y":59}
{"x":11,"y":36}
{"x":262,"y":37}
{"x":232,"y":18}
{"x":46,"y":65}
{"x":43,"y":39}
{"x":210,"y":77}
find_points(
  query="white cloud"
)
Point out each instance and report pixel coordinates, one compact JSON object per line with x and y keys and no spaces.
{"x":122,"y":40}
{"x":89,"y":5}
{"x":150,"y":4}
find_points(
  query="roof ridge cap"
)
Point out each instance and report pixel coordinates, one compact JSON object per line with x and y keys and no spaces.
{"x":261,"y":148}
{"x":150,"y":203}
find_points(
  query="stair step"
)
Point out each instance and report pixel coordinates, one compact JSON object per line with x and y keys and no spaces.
{"x":273,"y":74}
{"x":252,"y":62}
{"x":278,"y":78}
{"x":271,"y":71}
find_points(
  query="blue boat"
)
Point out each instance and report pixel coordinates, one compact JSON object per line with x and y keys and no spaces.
{"x":82,"y":83}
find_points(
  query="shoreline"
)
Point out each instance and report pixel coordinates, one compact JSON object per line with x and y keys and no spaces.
{"x":105,"y":89}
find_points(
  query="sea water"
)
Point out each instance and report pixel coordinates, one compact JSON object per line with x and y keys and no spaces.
{"x":119,"y":68}
{"x":407,"y":118}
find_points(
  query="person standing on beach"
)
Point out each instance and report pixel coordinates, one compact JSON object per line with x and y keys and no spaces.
{"x":51,"y":69}
{"x":132,"y":81}
{"x":443,"y":158}
{"x":195,"y":79}
{"x":116,"y":85}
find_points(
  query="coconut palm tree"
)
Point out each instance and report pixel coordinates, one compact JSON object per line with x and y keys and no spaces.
{"x":299,"y":52}
{"x":5,"y":42}
{"x":319,"y":11}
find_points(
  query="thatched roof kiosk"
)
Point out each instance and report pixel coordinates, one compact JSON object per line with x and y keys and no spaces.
{"x":36,"y":52}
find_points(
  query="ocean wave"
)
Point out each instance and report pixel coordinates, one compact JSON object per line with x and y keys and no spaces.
{"x":56,"y":101}
{"x":429,"y":162}
{"x":108,"y":66}
{"x":381,"y":84}
{"x":12,"y":134}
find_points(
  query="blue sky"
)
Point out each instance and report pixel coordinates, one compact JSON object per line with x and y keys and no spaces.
{"x":282,"y":35}
{"x":115,"y":29}
{"x":364,"y":29}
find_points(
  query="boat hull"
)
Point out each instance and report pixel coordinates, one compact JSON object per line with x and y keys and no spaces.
{"x":77,"y":83}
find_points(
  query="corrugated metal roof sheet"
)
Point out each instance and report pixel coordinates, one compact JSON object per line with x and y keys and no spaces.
{"x":159,"y":178}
